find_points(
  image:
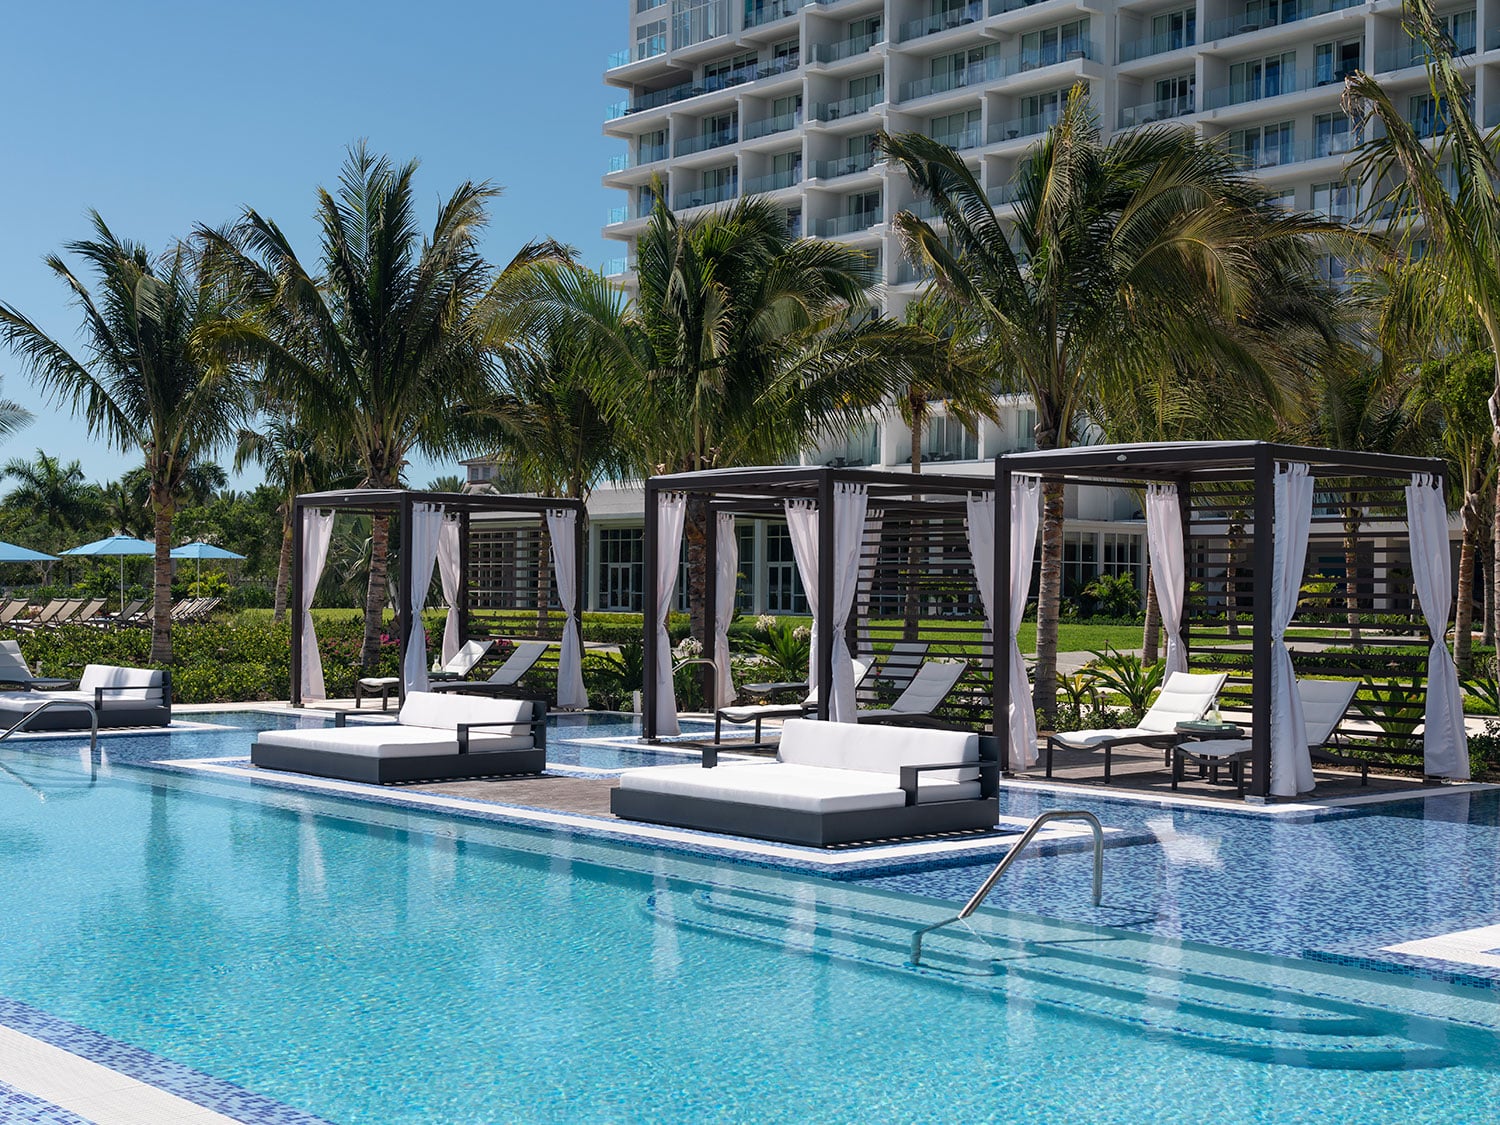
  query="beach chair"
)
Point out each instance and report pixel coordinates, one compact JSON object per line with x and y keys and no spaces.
{"x":902,"y":663}
{"x":65,"y":612}
{"x":1324,"y":704}
{"x":89,"y":614}
{"x":507,"y":678}
{"x":13,"y":610}
{"x":928,"y":690}
{"x":1185,"y":697}
{"x":758,"y":713}
{"x":463,"y":662}
{"x":126,"y":614}
{"x":45,"y":614}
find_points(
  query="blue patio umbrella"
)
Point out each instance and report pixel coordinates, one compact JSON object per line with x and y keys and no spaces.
{"x":9,"y":552}
{"x":200,"y":551}
{"x":122,"y":546}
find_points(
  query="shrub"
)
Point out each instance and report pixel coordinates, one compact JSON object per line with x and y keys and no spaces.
{"x":1124,"y":675}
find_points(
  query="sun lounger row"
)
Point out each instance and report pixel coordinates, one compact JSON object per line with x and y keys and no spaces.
{"x":92,"y":611}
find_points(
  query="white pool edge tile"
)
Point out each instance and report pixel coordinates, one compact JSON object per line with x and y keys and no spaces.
{"x":1465,"y":947}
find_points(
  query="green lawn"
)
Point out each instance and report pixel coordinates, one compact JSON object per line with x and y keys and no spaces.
{"x":1085,"y":638}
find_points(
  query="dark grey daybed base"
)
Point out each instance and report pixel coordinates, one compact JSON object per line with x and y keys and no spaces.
{"x":384,"y":771}
{"x":112,"y":713}
{"x":793,"y":826}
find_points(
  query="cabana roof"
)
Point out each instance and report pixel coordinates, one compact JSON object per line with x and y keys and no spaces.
{"x":1205,"y":461}
{"x":367,"y":500}
{"x":779,"y":482}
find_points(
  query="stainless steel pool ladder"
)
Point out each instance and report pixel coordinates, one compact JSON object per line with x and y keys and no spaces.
{"x":20,"y":724}
{"x":1010,"y":857}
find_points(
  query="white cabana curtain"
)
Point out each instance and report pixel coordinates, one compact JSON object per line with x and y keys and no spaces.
{"x":449,"y":570}
{"x":849,"y":504}
{"x":562,"y":529}
{"x":317,"y":533}
{"x":1445,"y":744}
{"x":671,"y":511}
{"x":979,"y":521}
{"x":1025,"y":522}
{"x":802,"y":529}
{"x":1168,"y":566}
{"x":426,"y":531}
{"x":1291,"y":764}
{"x":726,"y":577}
{"x":874,"y":522}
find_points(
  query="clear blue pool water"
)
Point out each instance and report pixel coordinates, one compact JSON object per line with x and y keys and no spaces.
{"x":371,"y":964}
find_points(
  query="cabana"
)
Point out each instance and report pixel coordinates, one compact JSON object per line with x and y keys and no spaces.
{"x":438,"y":530}
{"x":1233,"y":529}
{"x":877,"y":552}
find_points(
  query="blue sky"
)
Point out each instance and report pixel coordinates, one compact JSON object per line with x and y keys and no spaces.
{"x":162,"y":115}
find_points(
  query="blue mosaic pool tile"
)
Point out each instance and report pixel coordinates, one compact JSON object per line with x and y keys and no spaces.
{"x":18,"y":1108}
{"x":183,"y":1081}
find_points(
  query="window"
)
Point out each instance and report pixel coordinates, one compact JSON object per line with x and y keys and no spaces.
{"x":794,"y":222}
{"x":789,"y":106}
{"x":863,"y":205}
{"x":621,"y":568}
{"x":1330,"y":134}
{"x":787,"y":166}
{"x":1080,"y":561}
{"x":786,"y":56}
{"x":1263,"y":78}
{"x":1337,"y":60}
{"x":1460,"y":29}
{"x":866,"y":90}
{"x":1174,"y":29}
{"x":651,"y":39}
{"x":1122,"y":555}
{"x":1174,"y":96}
{"x":721,"y":183}
{"x":729,"y":72}
{"x":744,"y":581}
{"x":1286,"y":198}
{"x":1334,"y":200}
{"x":651,"y":146}
{"x":1054,"y":44}
{"x":947,"y":439}
{"x":1041,"y":110}
{"x":956,"y":130}
{"x":861,"y":146}
{"x":1263,"y":146}
{"x":871,"y":28}
{"x":1267,"y":13}
{"x":721,"y":125}
{"x":784,"y":592}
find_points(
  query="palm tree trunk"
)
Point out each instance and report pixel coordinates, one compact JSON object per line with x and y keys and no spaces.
{"x":1049,"y":600}
{"x":1151,"y":642}
{"x":161,"y":610}
{"x":1487,"y":550}
{"x":1351,"y":569}
{"x":695,"y":530}
{"x":1232,"y":579}
{"x":375,"y":591}
{"x":543,"y":579}
{"x":283,"y":569}
{"x":911,"y":610}
{"x":1463,"y":616}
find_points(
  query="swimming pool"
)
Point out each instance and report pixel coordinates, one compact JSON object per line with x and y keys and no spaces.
{"x":367,"y":963}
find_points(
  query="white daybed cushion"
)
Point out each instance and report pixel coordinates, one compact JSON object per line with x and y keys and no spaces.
{"x":850,"y":746}
{"x":29,"y":701}
{"x":389,"y":740}
{"x":145,"y":681}
{"x":786,"y":786}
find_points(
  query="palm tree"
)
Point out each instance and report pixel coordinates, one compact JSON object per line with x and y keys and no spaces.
{"x":52,"y":493}
{"x":1119,"y":256}
{"x":1448,"y":228}
{"x":152,"y":380}
{"x":295,"y":459}
{"x":378,"y":350}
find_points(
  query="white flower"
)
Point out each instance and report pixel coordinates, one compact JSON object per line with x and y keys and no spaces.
{"x":765,"y":622}
{"x":802,"y":633}
{"x":688,"y":648}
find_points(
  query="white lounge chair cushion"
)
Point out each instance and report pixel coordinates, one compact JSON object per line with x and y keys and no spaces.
{"x":145,"y":682}
{"x":927,"y":690}
{"x":390,"y":740}
{"x":1088,"y":739}
{"x":787,"y":786}
{"x":1218,"y":747}
{"x":375,"y":683}
{"x":1323,"y":705}
{"x":852,"y":747}
{"x":1184,"y":698}
{"x":749,"y":713}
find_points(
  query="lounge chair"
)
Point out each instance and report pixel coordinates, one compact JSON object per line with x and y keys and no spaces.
{"x":45,"y":614}
{"x":13,"y":666}
{"x":122,"y":697}
{"x":831,"y":783}
{"x":13,"y":610}
{"x":433,"y":737}
{"x":89,"y":612}
{"x":56,"y":612}
{"x":1324,"y":704}
{"x":929,"y":688}
{"x":902,"y":663}
{"x":126,"y":615}
{"x":507,"y":677}
{"x":759,"y":712}
{"x":1186,"y":697}
{"x":462,"y":664}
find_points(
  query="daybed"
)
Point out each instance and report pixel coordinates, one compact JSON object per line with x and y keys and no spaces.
{"x":122,"y":697}
{"x":433,"y":737}
{"x":831,"y":783}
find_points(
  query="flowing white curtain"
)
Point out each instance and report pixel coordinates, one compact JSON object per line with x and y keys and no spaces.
{"x":874,"y":522}
{"x":1291,"y":764}
{"x":671,"y":511}
{"x":1445,"y":744}
{"x":849,"y":504}
{"x":426,"y":530}
{"x":802,"y":529}
{"x":562,"y":529}
{"x":1168,"y":566}
{"x":449,"y":570}
{"x":726,"y":575}
{"x":1025,"y":522}
{"x":317,"y":533}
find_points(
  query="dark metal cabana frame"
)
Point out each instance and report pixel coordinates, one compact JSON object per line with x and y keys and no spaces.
{"x":1204,"y":474}
{"x":760,"y":493}
{"x":399,"y":503}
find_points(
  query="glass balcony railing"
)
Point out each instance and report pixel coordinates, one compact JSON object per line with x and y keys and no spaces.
{"x":771,"y":125}
{"x":739,"y":76}
{"x":619,"y":58}
{"x":618,"y":215}
{"x":1030,"y":125}
{"x":638,"y":209}
{"x":1291,"y":152}
{"x":942,"y":21}
{"x":1258,"y":89}
{"x":619,"y":162}
{"x":614,"y":267}
{"x":1273,"y":15}
{"x":850,"y":224}
{"x":758,"y":12}
{"x":1003,"y":194}
{"x":647,"y":154}
{"x":944,"y":81}
{"x":1165,"y":110}
{"x":961,"y":139}
{"x":717,"y":139}
{"x":1492,"y":39}
{"x":1149,"y":45}
{"x":845,"y":165}
{"x":846,"y":48}
{"x":705,"y":196}
{"x":1415,"y":54}
{"x":776,"y":181}
{"x":849,"y":107}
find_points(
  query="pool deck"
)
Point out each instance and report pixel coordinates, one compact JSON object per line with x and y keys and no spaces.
{"x":587,"y":796}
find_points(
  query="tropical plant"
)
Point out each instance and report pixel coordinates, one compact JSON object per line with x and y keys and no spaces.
{"x":1114,"y":595}
{"x":52,"y":494}
{"x":1396,"y":706}
{"x":154,"y":379}
{"x":784,"y":649}
{"x":1485,"y":687}
{"x":448,"y":482}
{"x":1438,"y":180}
{"x":1125,"y":256}
{"x":379,"y":349}
{"x":1123,"y":674}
